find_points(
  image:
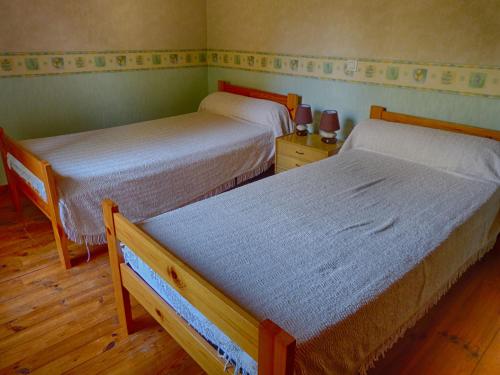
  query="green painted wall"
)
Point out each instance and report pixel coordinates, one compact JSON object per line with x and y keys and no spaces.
{"x":353,"y":100}
{"x":51,"y":105}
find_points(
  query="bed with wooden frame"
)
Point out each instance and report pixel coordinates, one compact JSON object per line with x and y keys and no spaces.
{"x":44,"y":171}
{"x":271,"y":346}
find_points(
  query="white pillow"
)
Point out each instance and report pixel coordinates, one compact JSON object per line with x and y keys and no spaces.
{"x":257,"y":111}
{"x":469,"y":156}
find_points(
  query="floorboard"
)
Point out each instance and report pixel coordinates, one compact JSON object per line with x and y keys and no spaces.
{"x":63,"y":322}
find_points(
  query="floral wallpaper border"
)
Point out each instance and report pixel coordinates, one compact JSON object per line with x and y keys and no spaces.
{"x":48,"y":63}
{"x":461,"y":79}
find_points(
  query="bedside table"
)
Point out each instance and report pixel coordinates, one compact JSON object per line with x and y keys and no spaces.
{"x":294,"y":151}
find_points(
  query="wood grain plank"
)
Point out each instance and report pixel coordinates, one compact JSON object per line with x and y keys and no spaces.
{"x":51,"y":331}
{"x":54,"y":321}
{"x":490,"y":362}
{"x":65,"y":354}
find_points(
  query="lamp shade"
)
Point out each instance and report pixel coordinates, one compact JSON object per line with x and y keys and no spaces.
{"x":329,"y":121}
{"x":303,"y":115}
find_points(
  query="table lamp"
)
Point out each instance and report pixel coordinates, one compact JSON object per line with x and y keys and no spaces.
{"x":303,"y":116}
{"x":328,"y":125}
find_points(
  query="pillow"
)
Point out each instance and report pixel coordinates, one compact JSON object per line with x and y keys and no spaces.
{"x":468,"y":156}
{"x":257,"y":111}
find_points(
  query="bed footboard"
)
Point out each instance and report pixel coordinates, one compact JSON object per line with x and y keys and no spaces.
{"x":264,"y":341}
{"x":17,"y":185}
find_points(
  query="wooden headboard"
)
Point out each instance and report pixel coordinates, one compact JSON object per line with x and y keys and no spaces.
{"x":291,"y":101}
{"x":380,"y":113}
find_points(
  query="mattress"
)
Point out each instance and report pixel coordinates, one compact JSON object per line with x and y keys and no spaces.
{"x":147,"y":168}
{"x":333,"y":252}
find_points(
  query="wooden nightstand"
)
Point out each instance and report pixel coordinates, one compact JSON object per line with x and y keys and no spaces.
{"x":294,"y":151}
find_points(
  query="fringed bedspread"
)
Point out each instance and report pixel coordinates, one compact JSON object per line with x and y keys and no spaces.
{"x":149,"y":168}
{"x":345,"y":254}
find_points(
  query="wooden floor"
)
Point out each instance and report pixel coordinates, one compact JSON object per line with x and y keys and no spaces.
{"x":54,"y":321}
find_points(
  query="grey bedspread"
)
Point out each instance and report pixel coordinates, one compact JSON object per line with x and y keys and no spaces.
{"x":311,"y":247}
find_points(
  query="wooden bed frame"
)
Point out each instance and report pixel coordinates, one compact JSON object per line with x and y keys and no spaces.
{"x":43,"y":170}
{"x":268,"y":344}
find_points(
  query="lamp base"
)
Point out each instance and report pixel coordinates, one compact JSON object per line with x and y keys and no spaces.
{"x":301,"y":132}
{"x":329,"y":140}
{"x":328,"y":137}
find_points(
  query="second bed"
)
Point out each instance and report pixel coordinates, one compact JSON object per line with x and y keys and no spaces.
{"x":321,"y":269}
{"x":149,"y":167}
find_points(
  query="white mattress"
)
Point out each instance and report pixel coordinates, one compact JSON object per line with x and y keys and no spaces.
{"x":334,"y":251}
{"x":148,"y":168}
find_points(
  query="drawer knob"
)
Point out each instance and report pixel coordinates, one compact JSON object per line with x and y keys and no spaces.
{"x":299,"y":152}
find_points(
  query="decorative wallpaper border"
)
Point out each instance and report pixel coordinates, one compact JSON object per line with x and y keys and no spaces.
{"x":460,"y":79}
{"x":49,"y":63}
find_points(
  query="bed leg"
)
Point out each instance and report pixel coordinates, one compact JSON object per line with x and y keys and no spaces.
{"x":14,"y":192}
{"x":276,"y":350}
{"x":53,"y":206}
{"x":122,"y":296}
{"x":61,"y":244}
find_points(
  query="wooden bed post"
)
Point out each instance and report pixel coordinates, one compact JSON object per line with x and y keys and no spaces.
{"x":221,"y":85}
{"x":122,"y":295}
{"x":376,"y":112}
{"x":276,"y":350}
{"x":14,"y":192}
{"x":53,"y":206}
{"x":292,"y":102}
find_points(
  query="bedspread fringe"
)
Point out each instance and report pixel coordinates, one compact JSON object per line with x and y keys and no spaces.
{"x":384,"y":348}
{"x":234,"y":182}
{"x":100,"y":238}
{"x":255,"y":172}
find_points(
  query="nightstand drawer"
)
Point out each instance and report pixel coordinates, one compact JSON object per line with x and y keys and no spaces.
{"x":300,"y":152}
{"x":285,"y":162}
{"x":294,"y":151}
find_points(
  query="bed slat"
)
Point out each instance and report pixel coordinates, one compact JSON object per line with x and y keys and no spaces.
{"x":194,"y":344}
{"x":238,"y":324}
{"x":30,"y":194}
